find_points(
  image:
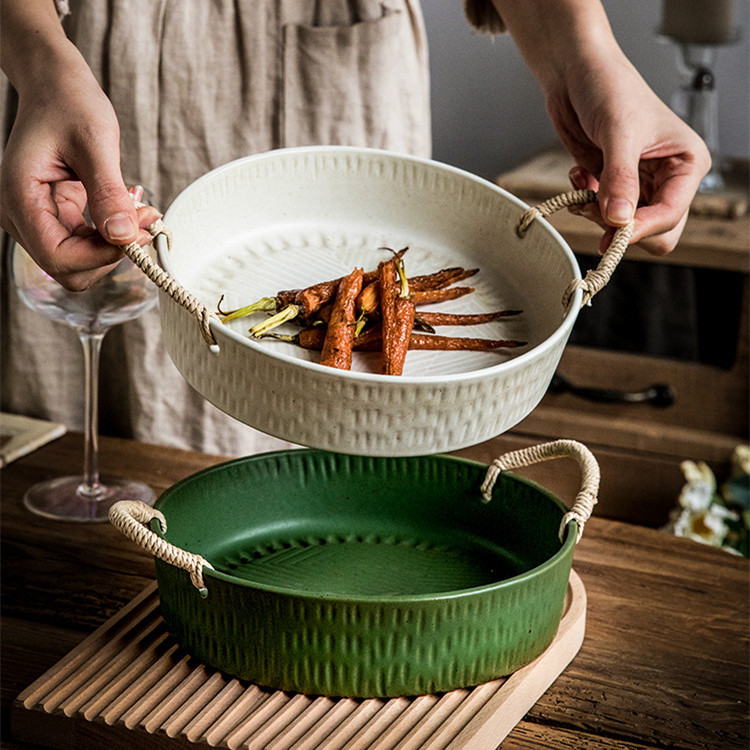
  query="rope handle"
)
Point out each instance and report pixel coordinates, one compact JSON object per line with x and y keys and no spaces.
{"x":132,"y":518}
{"x":588,"y":494}
{"x":597,"y":278}
{"x":164,"y":281}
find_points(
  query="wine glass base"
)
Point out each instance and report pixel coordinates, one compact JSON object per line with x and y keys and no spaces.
{"x":68,"y":499}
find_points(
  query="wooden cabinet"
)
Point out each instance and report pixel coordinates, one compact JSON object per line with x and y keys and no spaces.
{"x":640,"y":446}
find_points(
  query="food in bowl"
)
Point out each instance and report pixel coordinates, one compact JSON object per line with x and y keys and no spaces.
{"x":374,"y":311}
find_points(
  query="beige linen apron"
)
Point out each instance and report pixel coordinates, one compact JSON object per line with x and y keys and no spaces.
{"x":196,"y":84}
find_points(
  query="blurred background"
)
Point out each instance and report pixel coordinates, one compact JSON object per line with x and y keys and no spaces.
{"x":488,"y":113}
{"x":679,"y":322}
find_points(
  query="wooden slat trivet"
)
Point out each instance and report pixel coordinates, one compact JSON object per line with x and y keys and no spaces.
{"x":131,"y":685}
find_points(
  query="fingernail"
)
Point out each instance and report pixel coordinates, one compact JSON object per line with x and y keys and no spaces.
{"x":119,"y":227}
{"x":619,"y":211}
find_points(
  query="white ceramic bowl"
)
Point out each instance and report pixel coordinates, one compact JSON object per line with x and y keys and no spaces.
{"x":292,"y":217}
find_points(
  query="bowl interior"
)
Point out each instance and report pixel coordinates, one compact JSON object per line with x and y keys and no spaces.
{"x":293,"y":217}
{"x":326,"y":524}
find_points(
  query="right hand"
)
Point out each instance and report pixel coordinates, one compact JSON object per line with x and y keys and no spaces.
{"x":63,"y":152}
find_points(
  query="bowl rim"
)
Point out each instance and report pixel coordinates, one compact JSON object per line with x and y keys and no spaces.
{"x":219,"y":329}
{"x":566,"y":548}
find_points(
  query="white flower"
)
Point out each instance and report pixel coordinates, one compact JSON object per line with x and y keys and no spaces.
{"x":704,"y":525}
{"x":698,"y":493}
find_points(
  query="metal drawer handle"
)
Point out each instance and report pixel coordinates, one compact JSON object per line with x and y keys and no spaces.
{"x":658,"y":394}
{"x":132,"y":517}
{"x":587,"y":496}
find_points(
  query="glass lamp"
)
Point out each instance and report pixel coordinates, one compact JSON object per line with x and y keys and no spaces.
{"x":698,"y":28}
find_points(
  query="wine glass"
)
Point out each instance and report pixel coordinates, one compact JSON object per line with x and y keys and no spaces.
{"x":123,"y":294}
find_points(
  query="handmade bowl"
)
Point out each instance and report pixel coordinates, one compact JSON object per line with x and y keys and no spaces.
{"x":352,"y":576}
{"x":292,"y":217}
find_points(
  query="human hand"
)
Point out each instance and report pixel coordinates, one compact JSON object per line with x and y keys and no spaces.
{"x":62,"y":154}
{"x":643,"y":161}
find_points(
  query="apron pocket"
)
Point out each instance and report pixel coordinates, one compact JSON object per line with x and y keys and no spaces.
{"x":358,"y":85}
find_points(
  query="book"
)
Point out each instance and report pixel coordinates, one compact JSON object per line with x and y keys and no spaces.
{"x":20,"y":435}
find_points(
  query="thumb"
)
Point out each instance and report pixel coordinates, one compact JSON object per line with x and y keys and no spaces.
{"x":619,"y":185}
{"x":110,"y":205}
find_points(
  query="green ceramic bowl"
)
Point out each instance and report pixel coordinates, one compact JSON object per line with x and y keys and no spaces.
{"x":354,"y":576}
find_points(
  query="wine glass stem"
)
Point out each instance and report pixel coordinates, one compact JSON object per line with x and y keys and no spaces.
{"x":92,"y":344}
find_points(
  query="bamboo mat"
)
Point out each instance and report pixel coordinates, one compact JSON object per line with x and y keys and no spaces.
{"x":131,"y":685}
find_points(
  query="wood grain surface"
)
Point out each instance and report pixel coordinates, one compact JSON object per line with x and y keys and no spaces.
{"x":130,"y":683}
{"x":665,"y":662}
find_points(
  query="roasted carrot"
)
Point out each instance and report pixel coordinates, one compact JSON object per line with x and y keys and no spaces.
{"x":307,"y":301}
{"x":440,"y":279}
{"x":313,"y":297}
{"x":458,"y":343}
{"x":371,"y":340}
{"x":404,"y":323}
{"x":339,"y":335}
{"x":430,"y":296}
{"x":324,"y":315}
{"x":368,"y":302}
{"x":388,"y":282}
{"x":397,"y":312}
{"x":461,"y":319}
{"x":310,"y":303}
{"x":369,"y":298}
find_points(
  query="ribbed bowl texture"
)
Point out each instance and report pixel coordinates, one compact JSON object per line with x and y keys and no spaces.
{"x":356,"y":576}
{"x":292,"y":217}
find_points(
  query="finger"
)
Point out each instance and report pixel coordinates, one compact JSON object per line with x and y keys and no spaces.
{"x":147,"y":215}
{"x":136,"y":192}
{"x":81,"y":278}
{"x":80,"y":281}
{"x":659,"y":243}
{"x":619,"y":184}
{"x":70,"y":214}
{"x":581,"y":179}
{"x":46,"y":238}
{"x":669,"y":203}
{"x":85,"y":251}
{"x":110,"y":205}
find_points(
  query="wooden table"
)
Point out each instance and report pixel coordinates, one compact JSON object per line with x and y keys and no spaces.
{"x":664,"y":663}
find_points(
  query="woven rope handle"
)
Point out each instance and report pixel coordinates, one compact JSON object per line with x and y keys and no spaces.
{"x":172,"y":287}
{"x":132,"y":517}
{"x":597,"y":278}
{"x":587,"y":496}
